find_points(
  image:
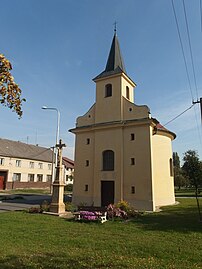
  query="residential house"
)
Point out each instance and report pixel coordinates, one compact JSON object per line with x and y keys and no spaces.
{"x":24,"y":166}
{"x":68,"y":165}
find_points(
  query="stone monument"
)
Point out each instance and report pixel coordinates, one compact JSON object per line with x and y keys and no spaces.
{"x":57,"y":205}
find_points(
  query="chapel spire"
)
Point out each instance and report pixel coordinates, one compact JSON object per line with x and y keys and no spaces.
{"x":115,"y":63}
{"x":115,"y":59}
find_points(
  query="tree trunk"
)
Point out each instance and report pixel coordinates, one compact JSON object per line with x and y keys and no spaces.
{"x":198,"y":205}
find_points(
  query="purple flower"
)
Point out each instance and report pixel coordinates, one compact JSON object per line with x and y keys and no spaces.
{"x":87,"y":215}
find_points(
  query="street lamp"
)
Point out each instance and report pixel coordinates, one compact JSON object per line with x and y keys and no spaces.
{"x":57,"y":131}
{"x":58,"y":121}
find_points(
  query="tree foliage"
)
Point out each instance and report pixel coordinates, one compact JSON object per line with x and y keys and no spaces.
{"x":10,"y":93}
{"x":192,"y":168}
{"x":179,"y":179}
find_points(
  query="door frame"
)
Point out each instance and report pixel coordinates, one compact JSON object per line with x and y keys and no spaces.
{"x":111,"y":199}
{"x":4,"y":173}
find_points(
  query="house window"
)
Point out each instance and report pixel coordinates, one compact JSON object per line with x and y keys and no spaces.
{"x":108,"y":90}
{"x":39,"y":177}
{"x":31,"y":177}
{"x":127,"y":92}
{"x":86,"y":187}
{"x":16,"y":177}
{"x":132,"y":161}
{"x":40,"y":165}
{"x":108,"y":160}
{"x":171,"y":167}
{"x":133,"y":189}
{"x":31,"y":164}
{"x":18,"y":163}
{"x":2,"y":161}
{"x":87,"y":162}
{"x":87,"y":141}
{"x":132,"y":136}
{"x":49,"y":166}
{"x":48,"y":178}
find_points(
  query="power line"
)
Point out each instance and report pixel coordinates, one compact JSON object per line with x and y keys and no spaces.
{"x":193,"y":69}
{"x":201,"y":13}
{"x":190,"y":48}
{"x":185,"y":62}
{"x":198,"y":129}
{"x":178,"y":115}
{"x":182,"y":48}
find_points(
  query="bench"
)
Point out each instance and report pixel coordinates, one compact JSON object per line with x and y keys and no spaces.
{"x":91,"y":213}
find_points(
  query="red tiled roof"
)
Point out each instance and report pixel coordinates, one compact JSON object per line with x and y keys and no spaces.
{"x":68,"y":163}
{"x":162,"y":128}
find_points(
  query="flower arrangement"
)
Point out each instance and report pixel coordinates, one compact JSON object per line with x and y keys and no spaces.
{"x":121,"y":210}
{"x":115,"y":212}
{"x":87,"y":215}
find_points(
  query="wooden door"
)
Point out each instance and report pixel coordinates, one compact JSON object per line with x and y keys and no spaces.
{"x":107,"y":193}
{"x":1,"y":182}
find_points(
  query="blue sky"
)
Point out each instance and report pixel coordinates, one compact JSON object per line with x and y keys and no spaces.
{"x":58,"y":46}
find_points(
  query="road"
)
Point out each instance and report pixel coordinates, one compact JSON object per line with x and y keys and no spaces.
{"x":15,"y":202}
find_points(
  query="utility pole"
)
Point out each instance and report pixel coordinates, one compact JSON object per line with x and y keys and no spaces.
{"x":196,"y":186}
{"x":199,"y":102}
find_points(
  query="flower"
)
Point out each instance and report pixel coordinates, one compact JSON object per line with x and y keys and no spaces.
{"x":87,"y":215}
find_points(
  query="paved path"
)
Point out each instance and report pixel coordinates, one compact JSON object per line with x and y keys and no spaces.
{"x":15,"y":202}
{"x":21,"y":201}
{"x":6,"y":206}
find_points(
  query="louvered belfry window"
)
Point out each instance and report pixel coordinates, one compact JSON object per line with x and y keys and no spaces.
{"x":108,"y":90}
{"x":108,"y":160}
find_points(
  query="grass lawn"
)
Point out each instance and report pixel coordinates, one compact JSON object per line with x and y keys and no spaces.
{"x":187,"y":193}
{"x":26,"y":191}
{"x":169,"y":239}
{"x":30,"y":191}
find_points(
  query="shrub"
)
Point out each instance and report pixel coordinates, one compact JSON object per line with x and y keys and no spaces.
{"x":122,"y":210}
{"x":34,"y":210}
{"x":68,"y":188}
{"x":123,"y":205}
{"x":115,"y":212}
{"x":45,"y":206}
{"x":133,"y":213}
{"x":70,"y":207}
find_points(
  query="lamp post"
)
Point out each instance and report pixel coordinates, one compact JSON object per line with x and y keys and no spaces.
{"x":57,"y":134}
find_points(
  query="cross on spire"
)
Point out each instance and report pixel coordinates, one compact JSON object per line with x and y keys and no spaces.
{"x":115,"y":24}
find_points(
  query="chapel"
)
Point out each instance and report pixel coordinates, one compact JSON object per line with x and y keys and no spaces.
{"x":121,"y":152}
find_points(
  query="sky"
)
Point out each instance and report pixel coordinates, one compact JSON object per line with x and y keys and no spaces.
{"x":57,"y":47}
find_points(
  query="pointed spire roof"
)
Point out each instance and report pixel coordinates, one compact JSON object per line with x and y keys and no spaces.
{"x":115,"y":59}
{"x":115,"y":63}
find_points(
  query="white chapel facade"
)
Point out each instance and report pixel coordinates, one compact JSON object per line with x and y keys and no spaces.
{"x":121,"y":152}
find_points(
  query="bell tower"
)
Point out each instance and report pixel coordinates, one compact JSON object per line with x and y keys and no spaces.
{"x":112,"y":85}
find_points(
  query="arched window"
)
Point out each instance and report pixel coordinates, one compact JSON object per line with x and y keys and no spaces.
{"x":108,"y":160}
{"x":108,"y":90}
{"x":171,"y":167}
{"x":127,"y":92}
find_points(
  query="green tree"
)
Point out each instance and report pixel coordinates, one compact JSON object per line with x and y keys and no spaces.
{"x":10,"y":93}
{"x":179,"y":179}
{"x":193,"y":170}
